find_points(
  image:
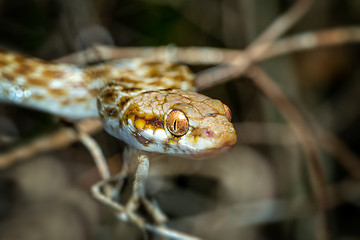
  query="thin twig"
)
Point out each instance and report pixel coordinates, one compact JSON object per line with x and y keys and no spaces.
{"x":59,"y":139}
{"x":162,"y":231}
{"x":214,"y":56}
{"x":305,"y":137}
{"x":96,"y":153}
{"x":258,"y":47}
{"x":218,"y":75}
{"x":284,"y":22}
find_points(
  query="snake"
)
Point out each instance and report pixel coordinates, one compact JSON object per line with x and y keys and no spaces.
{"x":150,"y":105}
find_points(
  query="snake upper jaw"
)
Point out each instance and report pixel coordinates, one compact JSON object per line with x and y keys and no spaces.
{"x":228,"y":141}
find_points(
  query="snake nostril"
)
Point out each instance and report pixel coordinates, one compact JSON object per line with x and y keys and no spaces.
{"x":209,"y":133}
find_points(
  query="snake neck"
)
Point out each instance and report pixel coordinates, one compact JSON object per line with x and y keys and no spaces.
{"x":60,"y":89}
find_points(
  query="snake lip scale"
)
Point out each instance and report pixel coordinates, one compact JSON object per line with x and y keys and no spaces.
{"x":150,"y":105}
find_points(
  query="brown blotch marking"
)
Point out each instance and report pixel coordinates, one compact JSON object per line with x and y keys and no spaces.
{"x":52,"y":74}
{"x":166,"y":146}
{"x":57,"y":92}
{"x":3,"y":62}
{"x":37,"y":82}
{"x":98,"y":104}
{"x":94,"y":92}
{"x":179,"y":78}
{"x":173,"y":66}
{"x":197,"y":132}
{"x":65,"y":102}
{"x":102,"y":117}
{"x":123,"y":102}
{"x":113,"y":84}
{"x":154,"y":72}
{"x":149,"y":92}
{"x":142,"y":140}
{"x":131,"y":90}
{"x":98,"y":73}
{"x":24,"y":69}
{"x":153,"y":63}
{"x":108,"y":96}
{"x":8,"y":76}
{"x":154,"y":122}
{"x":111,"y":112}
{"x":37,"y":97}
{"x":80,"y":100}
{"x":120,"y":123}
{"x":19,"y":59}
{"x":129,"y":71}
{"x":167,"y":89}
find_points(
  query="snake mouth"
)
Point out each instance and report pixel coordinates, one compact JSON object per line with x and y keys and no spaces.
{"x":205,"y":153}
{"x":224,"y":144}
{"x":212,"y":153}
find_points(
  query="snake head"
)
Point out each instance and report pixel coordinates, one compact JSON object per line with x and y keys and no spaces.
{"x":170,"y":121}
{"x":200,"y":129}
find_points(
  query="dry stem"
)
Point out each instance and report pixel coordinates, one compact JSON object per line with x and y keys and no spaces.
{"x":305,"y":138}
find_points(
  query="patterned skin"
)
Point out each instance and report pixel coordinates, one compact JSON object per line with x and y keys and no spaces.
{"x":149,"y":105}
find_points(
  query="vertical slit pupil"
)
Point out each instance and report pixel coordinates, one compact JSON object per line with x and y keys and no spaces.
{"x":175,"y":123}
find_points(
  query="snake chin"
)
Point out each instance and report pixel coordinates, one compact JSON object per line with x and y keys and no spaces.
{"x":205,"y":153}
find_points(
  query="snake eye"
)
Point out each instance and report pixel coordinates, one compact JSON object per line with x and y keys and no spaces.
{"x":228,"y":112}
{"x":177,"y":123}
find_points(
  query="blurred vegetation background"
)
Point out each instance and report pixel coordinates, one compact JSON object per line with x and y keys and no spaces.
{"x":258,"y":191}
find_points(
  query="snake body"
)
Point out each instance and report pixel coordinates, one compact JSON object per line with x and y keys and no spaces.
{"x":149,"y":105}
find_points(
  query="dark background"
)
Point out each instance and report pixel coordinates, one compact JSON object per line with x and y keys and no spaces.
{"x":47,"y":196}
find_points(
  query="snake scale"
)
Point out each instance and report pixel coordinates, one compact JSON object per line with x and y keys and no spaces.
{"x":149,"y":105}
